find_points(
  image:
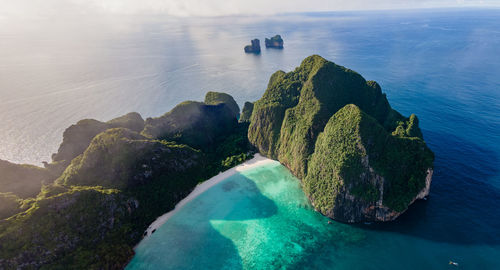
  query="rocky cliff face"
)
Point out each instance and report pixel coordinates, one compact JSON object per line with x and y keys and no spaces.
{"x":254,"y":47}
{"x":216,"y":98}
{"x":246,"y":112}
{"x":274,"y":42}
{"x":370,"y":167}
{"x":370,"y":174}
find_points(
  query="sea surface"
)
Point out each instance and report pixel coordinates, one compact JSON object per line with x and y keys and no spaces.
{"x":443,"y":65}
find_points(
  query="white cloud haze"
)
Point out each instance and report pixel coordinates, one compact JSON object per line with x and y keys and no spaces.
{"x":219,"y":7}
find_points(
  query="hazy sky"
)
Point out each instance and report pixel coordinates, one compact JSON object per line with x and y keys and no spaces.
{"x":217,"y":7}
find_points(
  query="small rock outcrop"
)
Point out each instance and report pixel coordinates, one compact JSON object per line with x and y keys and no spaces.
{"x":216,"y":98}
{"x":274,"y":42}
{"x":246,"y":112}
{"x":254,"y":47}
{"x":132,"y":121}
{"x":358,"y":159}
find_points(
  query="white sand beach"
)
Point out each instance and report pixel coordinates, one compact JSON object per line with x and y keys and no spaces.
{"x":258,"y":160}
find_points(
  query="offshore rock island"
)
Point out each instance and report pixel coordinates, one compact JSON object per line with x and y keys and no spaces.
{"x":357,"y":158}
{"x":254,"y":47}
{"x":274,"y":42}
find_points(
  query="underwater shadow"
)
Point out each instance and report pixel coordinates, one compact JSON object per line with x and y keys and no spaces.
{"x":462,"y":207}
{"x":189,"y":241}
{"x":239,"y":199}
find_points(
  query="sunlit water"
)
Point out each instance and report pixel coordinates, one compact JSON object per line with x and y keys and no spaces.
{"x":442,"y":65}
{"x":256,"y":219}
{"x":261,"y":219}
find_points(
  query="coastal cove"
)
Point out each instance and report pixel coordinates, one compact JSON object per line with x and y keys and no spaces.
{"x":259,"y":218}
{"x":258,"y":160}
{"x":253,"y":219}
{"x":186,"y":170}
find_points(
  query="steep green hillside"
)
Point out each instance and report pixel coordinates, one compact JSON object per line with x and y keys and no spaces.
{"x":246,"y":112}
{"x":120,"y":158}
{"x":193,"y":123}
{"x":132,"y":121}
{"x":355,"y":155}
{"x":97,"y":210}
{"x":296,"y":108}
{"x":77,"y":137}
{"x":308,"y":97}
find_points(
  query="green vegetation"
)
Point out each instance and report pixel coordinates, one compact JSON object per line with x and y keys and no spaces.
{"x":119,"y":158}
{"x":193,"y":123}
{"x":77,"y":138}
{"x":66,"y":230}
{"x":23,"y":180}
{"x":98,"y":208}
{"x":360,"y":144}
{"x":132,"y":121}
{"x":233,"y":150}
{"x":267,"y":116}
{"x":336,"y":166}
{"x":246,"y":112}
{"x":404,"y":163}
{"x":297,"y":105}
{"x":333,"y":129}
{"x":216,"y":98}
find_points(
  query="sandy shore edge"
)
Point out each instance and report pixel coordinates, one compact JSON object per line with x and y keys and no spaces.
{"x":258,"y":160}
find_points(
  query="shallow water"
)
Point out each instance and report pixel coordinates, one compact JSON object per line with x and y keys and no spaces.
{"x":256,"y":219}
{"x":442,"y":65}
{"x":261,"y":219}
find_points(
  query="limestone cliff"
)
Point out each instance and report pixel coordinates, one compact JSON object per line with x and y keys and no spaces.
{"x":274,"y":42}
{"x":246,"y":112}
{"x":342,"y":182}
{"x":254,"y":47}
{"x":216,"y":98}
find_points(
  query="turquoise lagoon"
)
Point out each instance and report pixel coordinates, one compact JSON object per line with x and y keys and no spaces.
{"x":258,"y":218}
{"x":261,"y":219}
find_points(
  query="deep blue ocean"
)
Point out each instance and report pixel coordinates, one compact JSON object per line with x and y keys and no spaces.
{"x":442,"y":65}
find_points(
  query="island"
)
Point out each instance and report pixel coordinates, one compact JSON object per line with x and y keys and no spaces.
{"x":274,"y":42}
{"x":357,"y":158}
{"x":254,"y":47}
